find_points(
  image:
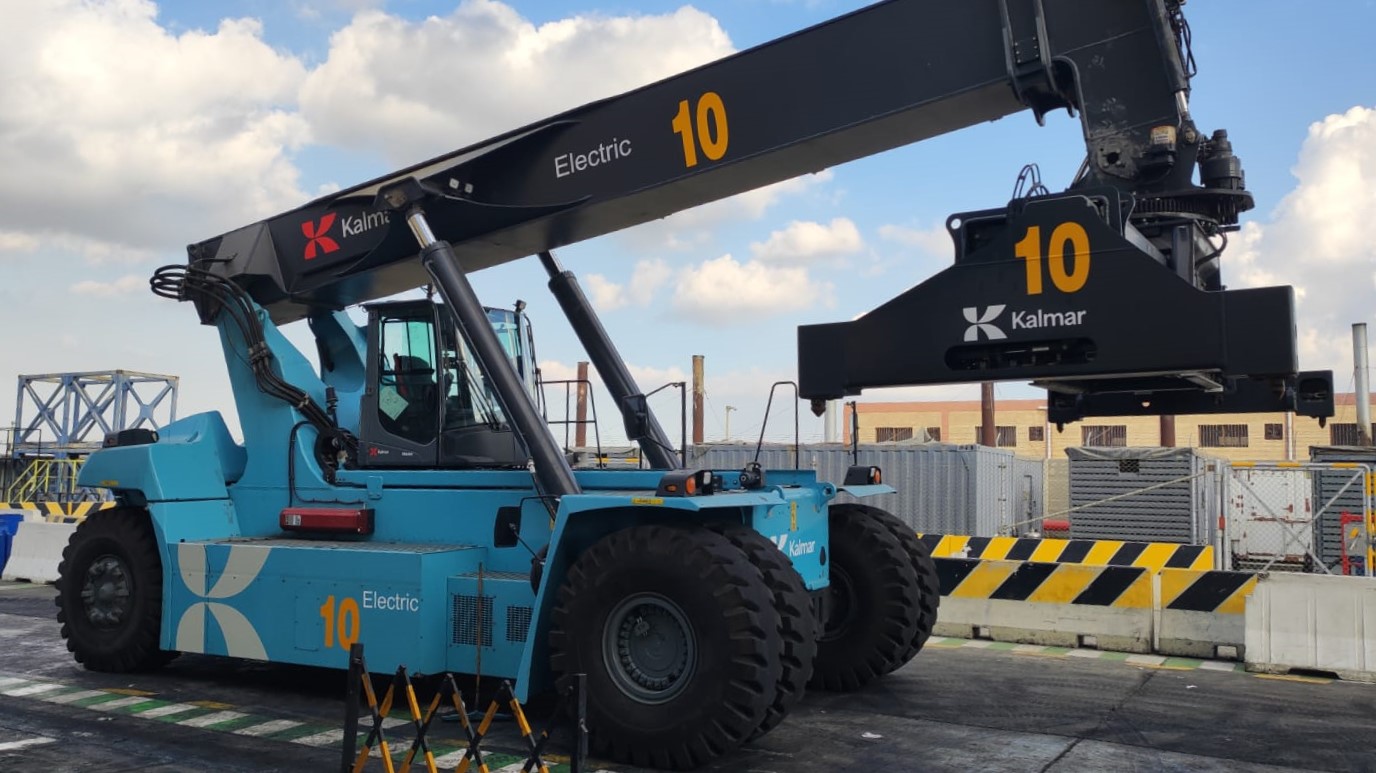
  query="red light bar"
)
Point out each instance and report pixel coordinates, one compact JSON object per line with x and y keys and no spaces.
{"x":352,"y":521}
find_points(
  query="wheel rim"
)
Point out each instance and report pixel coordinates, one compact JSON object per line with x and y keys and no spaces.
{"x":106,"y":592}
{"x":649,"y":648}
{"x":841,"y":596}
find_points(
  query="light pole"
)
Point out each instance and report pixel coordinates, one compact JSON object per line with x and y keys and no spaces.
{"x":729,"y":409}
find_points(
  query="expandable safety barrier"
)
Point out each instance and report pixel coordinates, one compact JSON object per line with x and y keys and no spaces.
{"x":60,"y":512}
{"x":1151,"y":555}
{"x":37,"y":550}
{"x":354,"y":760}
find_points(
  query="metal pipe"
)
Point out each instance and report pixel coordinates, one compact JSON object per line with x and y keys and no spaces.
{"x":655,"y":445}
{"x":1363,"y":396}
{"x":553,"y":475}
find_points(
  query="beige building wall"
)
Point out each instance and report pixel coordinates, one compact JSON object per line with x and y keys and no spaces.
{"x":1025,"y":431}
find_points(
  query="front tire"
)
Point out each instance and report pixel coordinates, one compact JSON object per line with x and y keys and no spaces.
{"x":873,"y":603}
{"x":797,"y":623}
{"x":679,"y":639}
{"x":109,"y":593}
{"x":928,"y":582}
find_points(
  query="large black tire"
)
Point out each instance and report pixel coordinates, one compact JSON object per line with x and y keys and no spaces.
{"x":109,"y":593}
{"x":679,"y":639}
{"x":872,"y":603}
{"x":797,"y":623}
{"x":929,"y":584}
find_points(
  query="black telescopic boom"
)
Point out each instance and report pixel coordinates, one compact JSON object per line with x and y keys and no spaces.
{"x":553,"y":476}
{"x":641,"y":424}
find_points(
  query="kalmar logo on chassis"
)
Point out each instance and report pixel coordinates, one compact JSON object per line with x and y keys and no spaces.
{"x":980,"y":322}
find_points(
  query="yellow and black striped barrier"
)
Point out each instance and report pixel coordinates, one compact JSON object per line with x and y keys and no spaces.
{"x":354,"y":760}
{"x":1075,"y":584}
{"x":1185,"y":590}
{"x":60,"y":512}
{"x":1149,"y":555}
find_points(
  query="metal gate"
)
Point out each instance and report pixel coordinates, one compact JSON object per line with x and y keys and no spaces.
{"x":1299,"y":516}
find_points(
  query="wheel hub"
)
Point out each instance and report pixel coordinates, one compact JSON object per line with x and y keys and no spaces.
{"x":841,"y":603}
{"x":106,"y":592}
{"x":649,"y":648}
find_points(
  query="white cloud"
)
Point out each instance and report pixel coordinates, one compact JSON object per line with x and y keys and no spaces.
{"x":487,"y":70}
{"x":1317,"y":240}
{"x":646,"y":279}
{"x":934,"y":241}
{"x":606,"y":295}
{"x":125,"y":285}
{"x":122,"y":133}
{"x":722,"y":290}
{"x":806,"y":241}
{"x":694,"y":228}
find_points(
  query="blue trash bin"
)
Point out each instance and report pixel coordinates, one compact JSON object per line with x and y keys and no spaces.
{"x":9,"y":525}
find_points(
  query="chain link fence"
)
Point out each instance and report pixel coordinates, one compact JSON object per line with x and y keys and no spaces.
{"x":1299,"y":516}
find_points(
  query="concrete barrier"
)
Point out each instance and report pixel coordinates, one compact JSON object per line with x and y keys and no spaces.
{"x":1312,"y":622}
{"x":1068,"y":605}
{"x":1200,"y":614}
{"x":37,"y":550}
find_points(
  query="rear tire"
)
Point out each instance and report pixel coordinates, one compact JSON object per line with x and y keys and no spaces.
{"x":797,"y":623}
{"x":679,"y":639}
{"x":873,"y":603}
{"x":109,"y":593}
{"x":929,"y":584}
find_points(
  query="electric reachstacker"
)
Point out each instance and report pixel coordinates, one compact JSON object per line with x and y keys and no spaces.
{"x":395,"y":496}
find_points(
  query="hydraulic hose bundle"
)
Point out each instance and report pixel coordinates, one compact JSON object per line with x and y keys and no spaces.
{"x":215,"y":295}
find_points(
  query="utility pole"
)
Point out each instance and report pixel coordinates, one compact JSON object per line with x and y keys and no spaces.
{"x":1167,"y":431}
{"x":699,"y":391}
{"x":729,"y":409}
{"x":988,"y":433}
{"x":580,"y":432}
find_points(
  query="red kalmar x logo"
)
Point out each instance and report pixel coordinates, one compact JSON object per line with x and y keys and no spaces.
{"x":315,"y":234}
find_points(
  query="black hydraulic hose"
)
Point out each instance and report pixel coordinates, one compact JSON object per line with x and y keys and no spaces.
{"x":180,"y":282}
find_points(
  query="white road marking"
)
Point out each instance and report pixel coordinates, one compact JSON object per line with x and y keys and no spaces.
{"x":6,"y":681}
{"x":275,"y":726}
{"x":73,"y":697}
{"x":1145,"y":660}
{"x":1218,"y":665}
{"x":168,"y":710}
{"x":32,"y":689}
{"x":212,"y":718}
{"x":327,"y":738}
{"x":1084,"y":653}
{"x":120,"y":703}
{"x":10,"y":746}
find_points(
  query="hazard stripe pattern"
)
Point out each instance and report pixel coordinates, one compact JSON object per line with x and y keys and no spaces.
{"x":1103,"y":586}
{"x":1151,"y":555}
{"x":60,"y":512}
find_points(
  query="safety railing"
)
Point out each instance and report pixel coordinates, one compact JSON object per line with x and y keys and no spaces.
{"x":571,"y":700}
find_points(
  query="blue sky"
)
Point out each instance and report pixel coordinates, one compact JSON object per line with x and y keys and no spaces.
{"x":128,"y":129}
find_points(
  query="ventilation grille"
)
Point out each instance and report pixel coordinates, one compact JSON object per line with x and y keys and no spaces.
{"x":473,"y":620}
{"x":517,"y":624}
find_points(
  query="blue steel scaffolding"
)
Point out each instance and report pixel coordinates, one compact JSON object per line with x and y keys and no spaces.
{"x":59,"y":418}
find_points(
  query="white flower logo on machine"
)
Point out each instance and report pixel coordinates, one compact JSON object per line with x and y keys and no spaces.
{"x":242,"y":568}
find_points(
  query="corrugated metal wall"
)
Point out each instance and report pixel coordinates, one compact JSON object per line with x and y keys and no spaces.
{"x":945,"y":489}
{"x":1327,"y":485}
{"x":1164,"y":494}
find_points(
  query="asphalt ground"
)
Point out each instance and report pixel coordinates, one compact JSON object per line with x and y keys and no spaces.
{"x":959,"y":706}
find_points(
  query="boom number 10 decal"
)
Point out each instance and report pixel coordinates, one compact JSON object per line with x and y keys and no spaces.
{"x":1069,"y":269}
{"x":709,"y":120}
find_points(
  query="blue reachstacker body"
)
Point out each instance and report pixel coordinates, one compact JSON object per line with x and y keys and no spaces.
{"x":407,"y":492}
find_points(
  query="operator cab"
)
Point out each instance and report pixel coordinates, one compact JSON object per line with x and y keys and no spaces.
{"x":428,"y":405}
